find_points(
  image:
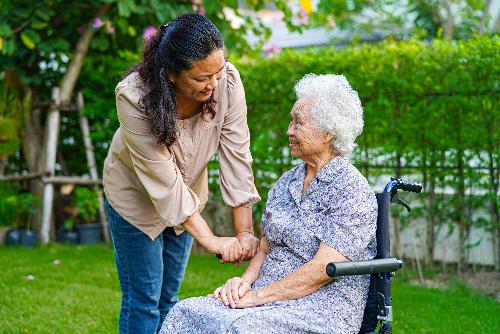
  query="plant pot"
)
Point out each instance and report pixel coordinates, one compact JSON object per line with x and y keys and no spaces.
{"x":89,"y":233}
{"x":69,"y":237}
{"x":12,"y":237}
{"x":27,"y":239}
{"x":65,"y":236}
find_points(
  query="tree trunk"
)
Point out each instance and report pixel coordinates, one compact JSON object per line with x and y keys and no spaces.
{"x":496,"y":26}
{"x":52,"y":136}
{"x":460,"y":209}
{"x":70,"y":78}
{"x":396,"y":220}
{"x":431,"y":216}
{"x":34,"y":134}
{"x":33,"y":138}
{"x":3,"y":163}
{"x":462,"y":236}
{"x":494,"y":174}
{"x":484,"y":17}
{"x":449,"y":22}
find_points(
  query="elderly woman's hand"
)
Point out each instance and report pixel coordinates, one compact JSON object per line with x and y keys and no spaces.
{"x":249,"y":243}
{"x":231,"y":292}
{"x":250,"y":299}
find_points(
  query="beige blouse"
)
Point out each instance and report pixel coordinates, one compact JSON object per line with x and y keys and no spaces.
{"x":154,"y":187}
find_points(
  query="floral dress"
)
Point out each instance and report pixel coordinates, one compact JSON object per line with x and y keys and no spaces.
{"x":338,"y":209}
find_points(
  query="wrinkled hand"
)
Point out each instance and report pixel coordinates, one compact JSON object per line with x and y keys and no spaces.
{"x":248,"y":300}
{"x":249,"y":243}
{"x":228,"y":247}
{"x":231,"y":292}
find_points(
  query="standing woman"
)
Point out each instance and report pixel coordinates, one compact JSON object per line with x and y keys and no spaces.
{"x":178,"y":107}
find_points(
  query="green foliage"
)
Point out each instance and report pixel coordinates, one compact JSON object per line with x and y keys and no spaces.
{"x":9,"y":138}
{"x":17,"y":208}
{"x":38,"y":39}
{"x":412,"y":18}
{"x":10,"y":121}
{"x":68,"y":224}
{"x":86,"y":204}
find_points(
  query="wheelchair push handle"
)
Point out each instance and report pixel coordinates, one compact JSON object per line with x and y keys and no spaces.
{"x":363,"y":267}
{"x":411,"y":186}
{"x":396,"y":184}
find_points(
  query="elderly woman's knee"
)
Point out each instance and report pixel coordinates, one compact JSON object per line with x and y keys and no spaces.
{"x":246,"y":324}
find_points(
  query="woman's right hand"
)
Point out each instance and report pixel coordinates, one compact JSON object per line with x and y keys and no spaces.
{"x":228,"y":247}
{"x":231,"y":292}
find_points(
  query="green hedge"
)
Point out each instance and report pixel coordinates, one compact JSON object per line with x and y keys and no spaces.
{"x":431,"y":112}
{"x":417,"y":96}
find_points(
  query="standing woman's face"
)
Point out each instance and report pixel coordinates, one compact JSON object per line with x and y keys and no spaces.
{"x":199,"y":82}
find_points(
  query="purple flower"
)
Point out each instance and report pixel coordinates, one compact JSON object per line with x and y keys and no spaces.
{"x":303,"y":17}
{"x":270,"y":49}
{"x":97,"y":23}
{"x":149,"y":32}
{"x":198,"y":6}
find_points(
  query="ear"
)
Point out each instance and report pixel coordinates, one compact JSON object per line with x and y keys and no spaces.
{"x":329,"y":137}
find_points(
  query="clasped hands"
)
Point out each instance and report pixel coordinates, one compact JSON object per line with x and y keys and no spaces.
{"x":235,"y":249}
{"x":236,"y":293}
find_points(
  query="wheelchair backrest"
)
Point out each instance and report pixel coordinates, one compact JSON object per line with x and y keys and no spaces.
{"x":383,"y":251}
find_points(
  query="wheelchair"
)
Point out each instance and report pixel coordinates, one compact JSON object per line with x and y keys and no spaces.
{"x":378,"y":309}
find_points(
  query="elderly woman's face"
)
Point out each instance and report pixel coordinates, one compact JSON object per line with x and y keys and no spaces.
{"x":199,"y":82}
{"x":304,"y":139}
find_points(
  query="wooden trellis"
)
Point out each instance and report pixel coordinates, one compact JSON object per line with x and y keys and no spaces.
{"x":49,"y":178}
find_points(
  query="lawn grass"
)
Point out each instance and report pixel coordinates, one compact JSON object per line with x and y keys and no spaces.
{"x":81,"y":294}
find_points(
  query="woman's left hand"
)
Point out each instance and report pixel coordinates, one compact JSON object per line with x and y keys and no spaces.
{"x":249,"y":299}
{"x":249,"y":243}
{"x":231,"y":291}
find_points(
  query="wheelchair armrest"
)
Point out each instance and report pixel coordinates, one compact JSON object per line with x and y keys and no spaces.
{"x":363,"y":267}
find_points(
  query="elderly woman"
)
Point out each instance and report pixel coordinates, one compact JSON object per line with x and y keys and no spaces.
{"x":318,"y":212}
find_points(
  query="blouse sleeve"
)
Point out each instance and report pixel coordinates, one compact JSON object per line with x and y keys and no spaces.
{"x":351,"y":225}
{"x":154,"y":164}
{"x":236,"y":177}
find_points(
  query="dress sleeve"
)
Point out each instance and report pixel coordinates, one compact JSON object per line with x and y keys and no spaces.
{"x":154,"y":164}
{"x":351,"y":224}
{"x":236,"y":176}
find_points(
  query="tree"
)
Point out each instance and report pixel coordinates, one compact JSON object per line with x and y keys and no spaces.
{"x":425,"y":18}
{"x":44,"y":44}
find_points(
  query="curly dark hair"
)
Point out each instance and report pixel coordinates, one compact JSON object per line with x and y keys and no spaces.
{"x":172,"y":49}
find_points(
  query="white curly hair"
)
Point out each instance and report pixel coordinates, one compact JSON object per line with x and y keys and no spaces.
{"x":335,"y":108}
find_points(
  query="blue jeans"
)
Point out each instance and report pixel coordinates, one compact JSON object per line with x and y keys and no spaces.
{"x":150,"y":273}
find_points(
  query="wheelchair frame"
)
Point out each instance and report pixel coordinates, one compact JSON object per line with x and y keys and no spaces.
{"x":378,"y":309}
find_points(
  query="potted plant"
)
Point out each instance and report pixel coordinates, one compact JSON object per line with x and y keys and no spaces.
{"x":87,"y":207}
{"x":67,"y":233}
{"x":7,"y":215}
{"x":20,"y":208}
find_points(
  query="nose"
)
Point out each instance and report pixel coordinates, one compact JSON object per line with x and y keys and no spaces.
{"x":213,"y":83}
{"x":289,"y":132}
